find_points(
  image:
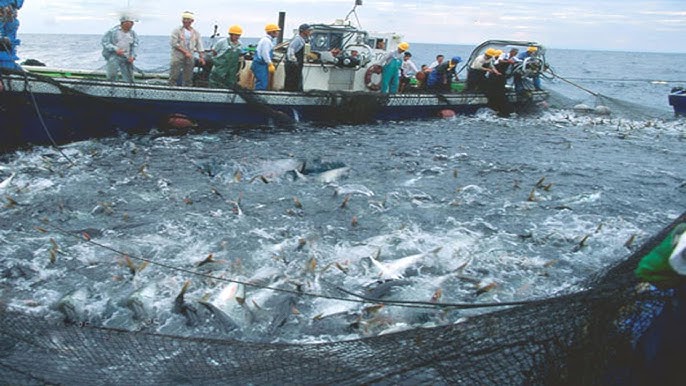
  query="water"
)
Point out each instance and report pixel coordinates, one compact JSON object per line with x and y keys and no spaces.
{"x":496,"y":209}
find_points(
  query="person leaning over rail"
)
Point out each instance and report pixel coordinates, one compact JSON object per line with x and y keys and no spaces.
{"x":262,"y":64}
{"x":119,"y":46}
{"x":518,"y":79}
{"x":440,"y":79}
{"x":660,"y":348}
{"x":185,"y":41}
{"x":227,"y":57}
{"x":482,"y":65}
{"x":391,"y":62}
{"x":295,"y":59}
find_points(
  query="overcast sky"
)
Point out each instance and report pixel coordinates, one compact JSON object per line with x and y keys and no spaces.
{"x":625,"y":25}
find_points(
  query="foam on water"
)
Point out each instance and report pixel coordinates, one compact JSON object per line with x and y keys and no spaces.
{"x":499,"y":209}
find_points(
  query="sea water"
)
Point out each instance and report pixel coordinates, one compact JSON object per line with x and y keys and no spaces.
{"x":476,"y":209}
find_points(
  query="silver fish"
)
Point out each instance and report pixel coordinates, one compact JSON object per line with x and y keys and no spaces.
{"x":72,"y":305}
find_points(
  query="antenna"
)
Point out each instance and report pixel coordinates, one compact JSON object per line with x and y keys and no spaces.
{"x":352,"y":11}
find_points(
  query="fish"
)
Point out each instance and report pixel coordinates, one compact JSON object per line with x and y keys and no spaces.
{"x":72,"y":305}
{"x":7,"y":181}
{"x":539,"y":184}
{"x":188,"y":310}
{"x":333,"y":174}
{"x":139,"y":300}
{"x":222,"y":320}
{"x":282,"y":311}
{"x":395,"y":269}
{"x":297,"y":202}
{"x":581,"y":244}
{"x":384,"y":288}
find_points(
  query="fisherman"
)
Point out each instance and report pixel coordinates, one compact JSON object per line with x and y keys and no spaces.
{"x":437,"y":62}
{"x":407,"y":70}
{"x":8,"y":33}
{"x":660,"y":346}
{"x":295,"y":57}
{"x":482,"y":65}
{"x":530,"y":52}
{"x":185,"y":41}
{"x":441,"y":77}
{"x":391,"y":63}
{"x":262,"y":64}
{"x":495,"y":87}
{"x":119,"y":46}
{"x":227,"y":56}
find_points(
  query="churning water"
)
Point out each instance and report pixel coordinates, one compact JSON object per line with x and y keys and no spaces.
{"x":473,"y":209}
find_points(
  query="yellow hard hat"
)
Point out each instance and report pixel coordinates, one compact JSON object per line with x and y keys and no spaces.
{"x":235,"y":30}
{"x":271,"y":27}
{"x":188,"y":15}
{"x":491,"y":52}
{"x":532,"y":49}
{"x":404,"y":46}
{"x":498,"y":52}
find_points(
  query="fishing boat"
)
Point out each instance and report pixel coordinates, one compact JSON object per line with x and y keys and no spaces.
{"x":677,"y":99}
{"x":43,"y":105}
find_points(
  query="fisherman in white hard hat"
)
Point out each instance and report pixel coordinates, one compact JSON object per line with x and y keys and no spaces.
{"x":119,"y":46}
{"x":185,"y":43}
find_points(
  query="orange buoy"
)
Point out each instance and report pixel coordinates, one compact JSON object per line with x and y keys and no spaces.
{"x":179,"y":121}
{"x":446,"y":113}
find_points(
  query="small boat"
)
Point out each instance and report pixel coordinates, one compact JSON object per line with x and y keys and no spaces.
{"x":43,"y":105}
{"x":677,"y":99}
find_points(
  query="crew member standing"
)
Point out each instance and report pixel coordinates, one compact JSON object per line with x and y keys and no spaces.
{"x":185,"y":41}
{"x":119,"y":50}
{"x":262,"y":64}
{"x":227,"y":53}
{"x":295,"y":56}
{"x":390,"y":77}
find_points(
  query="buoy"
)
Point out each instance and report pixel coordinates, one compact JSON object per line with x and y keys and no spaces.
{"x":179,"y":121}
{"x":446,"y":113}
{"x":602,"y":110}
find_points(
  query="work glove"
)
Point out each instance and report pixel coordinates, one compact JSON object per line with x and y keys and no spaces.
{"x":271,"y":68}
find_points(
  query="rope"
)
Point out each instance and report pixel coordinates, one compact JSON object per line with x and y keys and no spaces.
{"x":42,"y":121}
{"x":572,"y":83}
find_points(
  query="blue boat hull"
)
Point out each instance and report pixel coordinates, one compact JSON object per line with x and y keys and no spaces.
{"x":677,"y":99}
{"x":41,"y":110}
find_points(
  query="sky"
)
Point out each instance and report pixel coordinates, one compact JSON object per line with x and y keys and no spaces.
{"x":622,"y":25}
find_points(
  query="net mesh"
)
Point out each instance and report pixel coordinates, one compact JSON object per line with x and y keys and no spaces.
{"x":582,"y":338}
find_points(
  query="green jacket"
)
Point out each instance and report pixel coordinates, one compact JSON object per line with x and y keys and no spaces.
{"x":655,"y":268}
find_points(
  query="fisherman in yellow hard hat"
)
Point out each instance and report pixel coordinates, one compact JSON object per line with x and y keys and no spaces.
{"x":482,"y":64}
{"x":530,"y":52}
{"x":227,"y":54}
{"x":262,"y":64}
{"x":185,"y":43}
{"x":391,"y":63}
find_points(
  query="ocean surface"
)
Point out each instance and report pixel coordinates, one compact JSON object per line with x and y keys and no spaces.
{"x":476,"y":209}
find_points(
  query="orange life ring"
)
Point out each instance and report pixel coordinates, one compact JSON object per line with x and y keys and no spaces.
{"x":375,"y":69}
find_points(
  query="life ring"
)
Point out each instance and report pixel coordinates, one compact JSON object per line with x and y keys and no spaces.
{"x":371,"y":71}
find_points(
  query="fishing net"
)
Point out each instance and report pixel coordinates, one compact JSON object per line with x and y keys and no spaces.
{"x":586,"y":338}
{"x":592,"y":102}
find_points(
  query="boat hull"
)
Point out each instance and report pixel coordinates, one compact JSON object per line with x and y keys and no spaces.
{"x":677,"y":99}
{"x":42,"y":110}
